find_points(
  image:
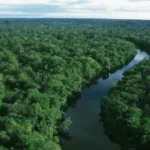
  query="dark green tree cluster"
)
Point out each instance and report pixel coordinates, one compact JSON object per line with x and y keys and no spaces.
{"x":126,"y":110}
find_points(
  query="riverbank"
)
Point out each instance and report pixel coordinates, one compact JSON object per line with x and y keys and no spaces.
{"x":86,"y":130}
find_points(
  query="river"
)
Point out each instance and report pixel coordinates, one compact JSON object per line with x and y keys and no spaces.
{"x":87,"y":131}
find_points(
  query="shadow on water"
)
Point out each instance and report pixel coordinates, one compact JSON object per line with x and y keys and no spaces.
{"x":87,"y":131}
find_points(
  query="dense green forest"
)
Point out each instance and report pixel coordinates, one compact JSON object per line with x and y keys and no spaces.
{"x":126,"y":109}
{"x":46,"y":61}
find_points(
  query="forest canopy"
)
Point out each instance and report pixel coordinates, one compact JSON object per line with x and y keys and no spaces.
{"x":45,"y":61}
{"x":126,"y":110}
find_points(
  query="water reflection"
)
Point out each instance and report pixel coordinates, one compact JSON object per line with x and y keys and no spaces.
{"x":86,"y":130}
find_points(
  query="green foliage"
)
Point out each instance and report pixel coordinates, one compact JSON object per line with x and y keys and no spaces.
{"x":43,"y":62}
{"x":125,"y":111}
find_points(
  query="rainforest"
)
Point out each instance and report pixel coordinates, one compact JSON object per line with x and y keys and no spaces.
{"x":46,"y":63}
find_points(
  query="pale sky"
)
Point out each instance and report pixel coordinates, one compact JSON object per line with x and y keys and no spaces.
{"x":118,"y":9}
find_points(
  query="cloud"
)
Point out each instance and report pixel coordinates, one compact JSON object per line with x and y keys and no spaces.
{"x":18,"y":2}
{"x":132,"y":9}
{"x":114,"y":5}
{"x":37,"y":8}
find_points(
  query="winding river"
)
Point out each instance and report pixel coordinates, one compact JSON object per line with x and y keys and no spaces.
{"x":87,"y":131}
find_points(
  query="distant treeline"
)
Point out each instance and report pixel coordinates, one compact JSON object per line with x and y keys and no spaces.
{"x":45,"y":61}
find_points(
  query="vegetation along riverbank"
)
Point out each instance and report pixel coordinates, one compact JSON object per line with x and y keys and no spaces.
{"x":45,"y":61}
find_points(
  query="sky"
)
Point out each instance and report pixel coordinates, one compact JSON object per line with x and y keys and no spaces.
{"x":114,"y":9}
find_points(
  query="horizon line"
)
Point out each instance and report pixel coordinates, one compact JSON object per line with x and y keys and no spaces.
{"x":136,"y":19}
